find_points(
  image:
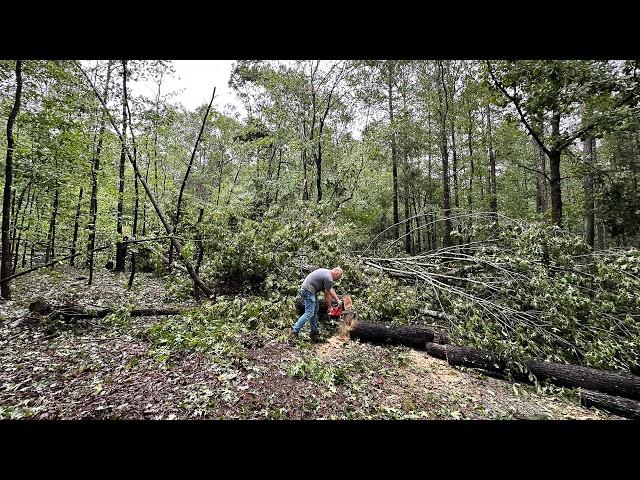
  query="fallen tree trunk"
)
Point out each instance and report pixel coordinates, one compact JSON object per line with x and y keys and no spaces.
{"x":572,"y":376}
{"x":415,"y":336}
{"x":620,"y":406}
{"x":466,"y":357}
{"x":564,"y":375}
{"x":72,"y":312}
{"x":373,"y":331}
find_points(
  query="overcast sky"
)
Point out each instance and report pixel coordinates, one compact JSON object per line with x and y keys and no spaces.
{"x":195,"y":80}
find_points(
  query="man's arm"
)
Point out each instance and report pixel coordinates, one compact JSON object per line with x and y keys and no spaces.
{"x":328,"y":295}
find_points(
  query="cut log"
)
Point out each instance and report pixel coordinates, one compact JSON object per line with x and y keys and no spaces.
{"x":473,"y":358}
{"x":73,"y":312}
{"x":620,"y":406}
{"x":573,"y":376}
{"x":415,"y":336}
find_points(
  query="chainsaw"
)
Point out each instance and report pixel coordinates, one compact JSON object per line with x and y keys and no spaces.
{"x":336,"y":310}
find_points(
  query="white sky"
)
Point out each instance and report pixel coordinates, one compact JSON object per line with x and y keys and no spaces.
{"x":195,"y":80}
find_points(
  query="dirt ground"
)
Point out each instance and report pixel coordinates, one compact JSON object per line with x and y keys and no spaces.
{"x":103,"y":369}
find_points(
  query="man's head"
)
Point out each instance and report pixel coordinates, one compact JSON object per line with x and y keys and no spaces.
{"x":336,"y":273}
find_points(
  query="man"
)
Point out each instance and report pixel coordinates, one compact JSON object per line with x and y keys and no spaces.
{"x":320,"y":280}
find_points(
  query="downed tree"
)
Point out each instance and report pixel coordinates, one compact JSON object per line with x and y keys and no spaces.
{"x":561,"y":374}
{"x":465,"y":357}
{"x":161,"y":215}
{"x":68,"y":311}
{"x":621,"y":406}
{"x":381,"y":333}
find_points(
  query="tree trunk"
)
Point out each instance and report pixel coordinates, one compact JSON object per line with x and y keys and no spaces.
{"x":186,"y":175}
{"x":318,"y":161}
{"x":456,"y":198}
{"x":620,"y":406}
{"x":95,"y":169}
{"x":29,"y":206}
{"x":588,"y":146}
{"x":71,"y":312}
{"x":199,"y":238}
{"x":556,"y":193}
{"x":541,"y":178}
{"x":161,"y":215}
{"x":381,"y":333}
{"x":120,"y":249}
{"x":493,"y":200}
{"x":418,"y":247}
{"x":554,"y":172}
{"x":407,"y":210}
{"x":394,"y":155}
{"x":16,"y":245}
{"x":600,"y":226}
{"x":16,"y":213}
{"x":564,"y":375}
{"x":134,"y":232}
{"x":144,"y":205}
{"x":5,"y":262}
{"x":51,"y":235}
{"x":471,"y":173}
{"x":75,"y":228}
{"x":446,"y":195}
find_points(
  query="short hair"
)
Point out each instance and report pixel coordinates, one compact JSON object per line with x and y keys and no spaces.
{"x":338,"y":270}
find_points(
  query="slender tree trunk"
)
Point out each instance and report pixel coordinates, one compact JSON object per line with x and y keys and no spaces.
{"x":75,"y":228}
{"x":220,"y":165}
{"x":428,"y":199}
{"x":407,"y":211}
{"x":120,"y":247}
{"x":144,"y":203}
{"x":418,"y":248}
{"x":278,"y":176}
{"x":541,"y":179}
{"x":303,"y":157}
{"x":600,"y":228}
{"x":554,"y":171}
{"x":50,"y":254}
{"x":16,"y":246}
{"x":161,"y":215}
{"x":16,"y":213}
{"x":199,"y":238}
{"x":471,"y":173}
{"x":95,"y":169}
{"x":37,"y":235}
{"x":5,"y":269}
{"x":318,"y":158}
{"x":493,"y":202}
{"x":186,"y":175}
{"x":24,"y":248}
{"x":446,"y":195}
{"x":589,"y":206}
{"x":134,"y":232}
{"x":394,"y":155}
{"x":456,"y":199}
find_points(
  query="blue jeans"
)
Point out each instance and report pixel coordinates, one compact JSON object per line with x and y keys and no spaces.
{"x":310,"y":311}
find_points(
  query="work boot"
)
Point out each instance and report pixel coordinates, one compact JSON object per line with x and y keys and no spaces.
{"x":315,"y":336}
{"x":293,"y":335}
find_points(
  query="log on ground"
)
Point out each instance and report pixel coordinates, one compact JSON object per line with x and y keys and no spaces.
{"x":415,"y":336}
{"x":618,"y":405}
{"x":74,"y":312}
{"x":573,"y":376}
{"x":565,"y":375}
{"x":466,"y":357}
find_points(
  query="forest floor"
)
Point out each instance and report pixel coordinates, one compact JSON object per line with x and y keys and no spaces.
{"x":108,"y":369}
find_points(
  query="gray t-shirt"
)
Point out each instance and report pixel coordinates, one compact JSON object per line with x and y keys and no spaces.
{"x":318,"y":280}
